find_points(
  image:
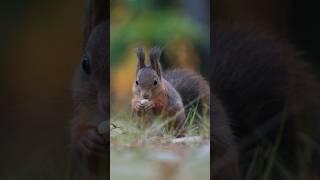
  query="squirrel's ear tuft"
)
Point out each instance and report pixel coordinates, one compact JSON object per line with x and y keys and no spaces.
{"x":155,"y":54}
{"x":141,"y":58}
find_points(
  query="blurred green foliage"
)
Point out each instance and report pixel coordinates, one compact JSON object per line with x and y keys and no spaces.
{"x":149,"y":22}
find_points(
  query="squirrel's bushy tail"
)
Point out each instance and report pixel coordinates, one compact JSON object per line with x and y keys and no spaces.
{"x":192,"y":87}
{"x":257,"y":77}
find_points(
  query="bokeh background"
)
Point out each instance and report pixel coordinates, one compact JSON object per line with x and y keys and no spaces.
{"x":40,"y":45}
{"x":181,"y":28}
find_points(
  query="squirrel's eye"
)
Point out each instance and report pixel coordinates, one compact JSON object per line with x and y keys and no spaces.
{"x":86,"y":65}
{"x":155,"y":82}
{"x":137,"y":83}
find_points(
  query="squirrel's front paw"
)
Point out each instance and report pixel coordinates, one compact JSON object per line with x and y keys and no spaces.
{"x":138,"y":107}
{"x":143,"y":106}
{"x":92,"y":144}
{"x":147,"y":105}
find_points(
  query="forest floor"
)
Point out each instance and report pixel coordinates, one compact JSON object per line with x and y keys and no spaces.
{"x":155,"y":154}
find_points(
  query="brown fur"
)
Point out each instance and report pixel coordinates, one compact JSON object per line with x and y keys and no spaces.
{"x":160,"y":102}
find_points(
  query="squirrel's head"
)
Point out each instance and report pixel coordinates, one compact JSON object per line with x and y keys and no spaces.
{"x":92,"y":78}
{"x":148,"y":77}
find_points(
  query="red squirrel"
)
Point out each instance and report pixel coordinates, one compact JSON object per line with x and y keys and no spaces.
{"x":89,"y":126}
{"x":263,"y":96}
{"x":91,"y":94}
{"x":170,"y":93}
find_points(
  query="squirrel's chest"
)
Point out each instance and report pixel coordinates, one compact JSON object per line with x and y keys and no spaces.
{"x":159,"y":105}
